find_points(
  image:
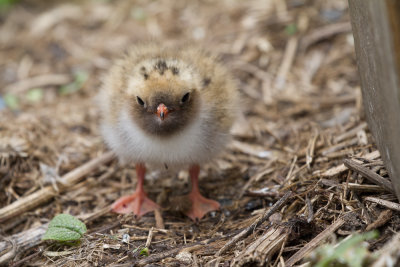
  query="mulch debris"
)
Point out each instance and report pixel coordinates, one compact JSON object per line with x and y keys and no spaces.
{"x":301,"y":146}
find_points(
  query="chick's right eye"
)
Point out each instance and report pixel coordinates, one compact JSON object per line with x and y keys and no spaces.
{"x":140,"y":101}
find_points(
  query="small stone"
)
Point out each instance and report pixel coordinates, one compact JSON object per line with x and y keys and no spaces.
{"x":126,"y":238}
{"x":184,"y":257}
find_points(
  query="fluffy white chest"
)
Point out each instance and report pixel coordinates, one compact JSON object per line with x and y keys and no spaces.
{"x":195,"y":144}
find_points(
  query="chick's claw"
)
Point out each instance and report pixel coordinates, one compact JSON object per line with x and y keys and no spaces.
{"x":137,"y":203}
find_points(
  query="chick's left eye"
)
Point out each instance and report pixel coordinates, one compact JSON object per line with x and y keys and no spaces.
{"x":185,"y":97}
{"x":140,"y":101}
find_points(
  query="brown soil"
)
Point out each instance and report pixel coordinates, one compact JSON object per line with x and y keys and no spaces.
{"x":302,"y":116}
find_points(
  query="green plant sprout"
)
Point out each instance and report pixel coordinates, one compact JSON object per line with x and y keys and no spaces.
{"x":351,"y":252}
{"x":65,"y":227}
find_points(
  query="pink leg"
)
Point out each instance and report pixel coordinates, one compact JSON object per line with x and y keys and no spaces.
{"x":200,"y":205}
{"x":138,"y":203}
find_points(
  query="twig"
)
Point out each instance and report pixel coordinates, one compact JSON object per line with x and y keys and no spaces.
{"x":350,"y":133}
{"x":252,"y":69}
{"x":280,"y":252}
{"x":20,"y":241}
{"x":337,"y":147}
{"x":195,"y":260}
{"x":323,"y":101}
{"x":31,"y":201}
{"x":287,"y":61}
{"x":106,"y":228}
{"x":214,"y":262}
{"x":385,"y":203}
{"x":92,"y":216}
{"x":315,"y":242}
{"x":289,"y":174}
{"x":263,"y":247}
{"x":157,"y":230}
{"x":383,"y":218}
{"x":310,"y":149}
{"x":266,"y":170}
{"x":324,"y":33}
{"x":149,"y":238}
{"x":370,"y":175}
{"x":376,"y":163}
{"x":253,"y":150}
{"x":38,"y":81}
{"x":159,"y":219}
{"x":353,"y":186}
{"x":364,"y":187}
{"x":251,"y":228}
{"x":310,"y":210}
{"x":341,"y":168}
{"x":262,"y":193}
{"x":22,"y":261}
{"x":11,"y":253}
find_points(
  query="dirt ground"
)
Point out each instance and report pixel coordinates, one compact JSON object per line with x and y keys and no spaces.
{"x":295,"y":64}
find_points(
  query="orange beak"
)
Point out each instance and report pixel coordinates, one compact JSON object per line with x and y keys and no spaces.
{"x":162,"y":111}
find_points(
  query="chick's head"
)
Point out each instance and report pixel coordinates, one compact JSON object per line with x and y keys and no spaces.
{"x":163,"y":98}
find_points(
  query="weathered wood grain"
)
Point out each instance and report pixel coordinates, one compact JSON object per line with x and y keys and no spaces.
{"x":376,"y":35}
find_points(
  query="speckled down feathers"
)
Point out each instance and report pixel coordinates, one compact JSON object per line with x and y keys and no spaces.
{"x":198,"y":130}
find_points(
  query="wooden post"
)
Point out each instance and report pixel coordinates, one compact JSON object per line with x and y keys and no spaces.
{"x":376,"y":30}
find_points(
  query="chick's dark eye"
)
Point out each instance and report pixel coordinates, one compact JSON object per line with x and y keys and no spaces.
{"x":140,"y":101}
{"x":185,"y":97}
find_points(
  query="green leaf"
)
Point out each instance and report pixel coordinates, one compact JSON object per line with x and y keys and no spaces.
{"x":68,"y":221}
{"x":65,"y":227}
{"x":144,"y":252}
{"x":61,"y":234}
{"x":350,"y":252}
{"x":35,"y":95}
{"x":11,"y":101}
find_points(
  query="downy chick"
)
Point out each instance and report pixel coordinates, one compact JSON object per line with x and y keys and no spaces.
{"x":167,"y":106}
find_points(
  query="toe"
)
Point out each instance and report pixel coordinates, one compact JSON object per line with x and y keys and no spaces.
{"x":138,"y":204}
{"x":201,"y":206}
{"x":147,"y":206}
{"x":124,"y":205}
